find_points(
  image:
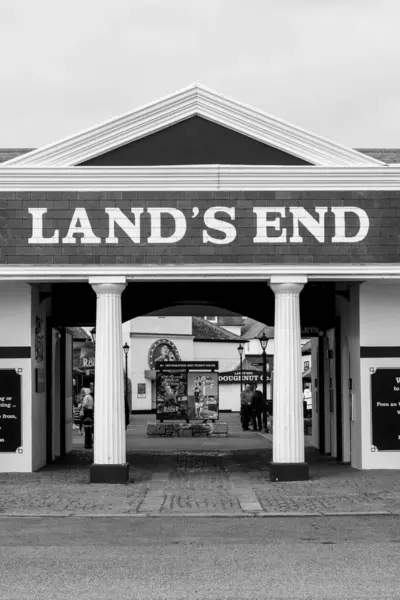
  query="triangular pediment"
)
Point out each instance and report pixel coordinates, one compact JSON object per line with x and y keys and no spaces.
{"x":194,"y":141}
{"x":244,"y":135}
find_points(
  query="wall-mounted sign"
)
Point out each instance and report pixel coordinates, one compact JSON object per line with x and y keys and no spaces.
{"x":10,"y":410}
{"x":247,"y":377}
{"x":162,"y":350}
{"x":141,"y":390}
{"x":385,"y":397}
{"x":40,"y":380}
{"x":39,"y":336}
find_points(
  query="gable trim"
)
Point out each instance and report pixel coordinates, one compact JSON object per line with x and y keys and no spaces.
{"x":196,"y":100}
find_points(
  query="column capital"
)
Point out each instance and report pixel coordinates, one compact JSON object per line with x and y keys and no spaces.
{"x":108,"y":285}
{"x":99,"y":279}
{"x":287,"y":285}
{"x":288,"y":279}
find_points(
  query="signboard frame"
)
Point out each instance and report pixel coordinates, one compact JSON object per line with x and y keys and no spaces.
{"x":174,"y":375}
{"x":5,"y":405}
{"x":384,"y":414}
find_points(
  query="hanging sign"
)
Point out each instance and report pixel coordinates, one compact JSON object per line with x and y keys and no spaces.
{"x":10,"y":410}
{"x":385,"y":397}
{"x":196,"y":365}
{"x":247,"y":377}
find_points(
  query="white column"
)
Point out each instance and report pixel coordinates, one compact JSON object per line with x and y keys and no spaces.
{"x":109,"y":436}
{"x":288,"y":425}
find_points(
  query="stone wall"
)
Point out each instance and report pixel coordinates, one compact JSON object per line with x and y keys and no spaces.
{"x":183,"y":429}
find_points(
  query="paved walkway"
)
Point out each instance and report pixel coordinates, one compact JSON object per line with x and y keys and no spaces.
{"x":199,"y":476}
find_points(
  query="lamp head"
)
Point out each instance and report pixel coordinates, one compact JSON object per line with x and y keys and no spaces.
{"x":263,"y":341}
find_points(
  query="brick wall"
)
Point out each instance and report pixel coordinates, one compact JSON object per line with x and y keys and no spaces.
{"x":381,"y":245}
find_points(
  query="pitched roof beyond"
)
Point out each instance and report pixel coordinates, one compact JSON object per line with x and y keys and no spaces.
{"x":79,"y":334}
{"x":204,"y":330}
{"x":9,"y":153}
{"x":254,"y":329}
{"x":236,"y":321}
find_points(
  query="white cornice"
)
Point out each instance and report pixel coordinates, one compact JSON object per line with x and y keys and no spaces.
{"x":198,"y":272}
{"x":196,"y":100}
{"x":198,"y":177}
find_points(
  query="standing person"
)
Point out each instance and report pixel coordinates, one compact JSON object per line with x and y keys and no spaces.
{"x":80,"y":411}
{"x":245,"y":406}
{"x":258,"y":407}
{"x":87,"y":403}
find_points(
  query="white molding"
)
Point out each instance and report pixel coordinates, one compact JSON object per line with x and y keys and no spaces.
{"x":195,"y":100}
{"x":199,"y":272}
{"x":285,"y":279}
{"x":198,"y":178}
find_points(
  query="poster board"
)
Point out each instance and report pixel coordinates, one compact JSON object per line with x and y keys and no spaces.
{"x":10,"y":410}
{"x":185,"y":391}
{"x":203,"y":395}
{"x":171,"y":395}
{"x":385,"y":409}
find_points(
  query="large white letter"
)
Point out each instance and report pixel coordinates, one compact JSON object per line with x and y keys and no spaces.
{"x":116,"y":216}
{"x":227,"y":228}
{"x":80,"y":224}
{"x":180,"y":225}
{"x":263,"y":224}
{"x":340,"y":224}
{"x":316,"y":228}
{"x":37,"y":228}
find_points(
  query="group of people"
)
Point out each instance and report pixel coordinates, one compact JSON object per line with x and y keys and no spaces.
{"x":253,"y":408}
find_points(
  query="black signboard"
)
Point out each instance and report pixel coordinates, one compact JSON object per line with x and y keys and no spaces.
{"x":188,"y":366}
{"x":10,"y":410}
{"x":385,"y":394}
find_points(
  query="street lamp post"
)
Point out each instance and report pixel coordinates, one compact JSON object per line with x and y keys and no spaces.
{"x":240,"y":350}
{"x":264,"y":342}
{"x":126,"y":348}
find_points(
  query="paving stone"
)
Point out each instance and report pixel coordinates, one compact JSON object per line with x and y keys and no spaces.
{"x":199,"y":481}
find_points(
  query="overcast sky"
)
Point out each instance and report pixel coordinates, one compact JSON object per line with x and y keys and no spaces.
{"x":330,"y":66}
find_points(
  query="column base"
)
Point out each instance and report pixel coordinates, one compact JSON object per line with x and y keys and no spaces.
{"x":109,"y":473}
{"x":288,"y":471}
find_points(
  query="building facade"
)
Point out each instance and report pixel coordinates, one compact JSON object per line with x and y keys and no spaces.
{"x":196,"y":198}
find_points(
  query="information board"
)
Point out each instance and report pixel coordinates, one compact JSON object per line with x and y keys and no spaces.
{"x":10,"y":410}
{"x":203,"y":396}
{"x":385,"y":396}
{"x":171,"y":396}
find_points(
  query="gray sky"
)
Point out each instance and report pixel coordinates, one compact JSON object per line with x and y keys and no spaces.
{"x":330,"y":66}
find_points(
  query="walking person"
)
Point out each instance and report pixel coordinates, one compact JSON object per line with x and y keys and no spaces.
{"x":81,"y":412}
{"x":76,"y":413}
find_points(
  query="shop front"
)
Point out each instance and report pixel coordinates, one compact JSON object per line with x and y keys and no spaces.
{"x":196,"y":198}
